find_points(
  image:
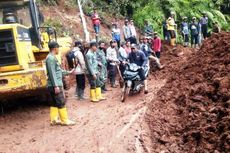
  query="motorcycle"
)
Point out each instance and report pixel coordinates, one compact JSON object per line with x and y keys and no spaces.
{"x":132,"y":81}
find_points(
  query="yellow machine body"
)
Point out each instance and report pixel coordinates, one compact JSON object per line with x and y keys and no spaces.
{"x":27,"y":76}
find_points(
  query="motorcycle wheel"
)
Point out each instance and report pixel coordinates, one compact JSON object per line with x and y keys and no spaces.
{"x":124,"y":94}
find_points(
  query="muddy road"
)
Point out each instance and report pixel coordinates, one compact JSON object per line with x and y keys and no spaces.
{"x":106,"y":127}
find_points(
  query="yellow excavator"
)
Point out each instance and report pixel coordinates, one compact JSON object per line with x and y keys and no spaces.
{"x":23,"y":49}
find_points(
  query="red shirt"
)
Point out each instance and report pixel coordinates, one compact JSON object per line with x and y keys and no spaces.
{"x":95,"y":19}
{"x":156,"y":44}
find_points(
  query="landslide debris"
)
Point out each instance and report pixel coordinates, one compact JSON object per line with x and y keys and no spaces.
{"x":194,"y":105}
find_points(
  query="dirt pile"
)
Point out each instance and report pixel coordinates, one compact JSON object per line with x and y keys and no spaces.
{"x":195,"y":102}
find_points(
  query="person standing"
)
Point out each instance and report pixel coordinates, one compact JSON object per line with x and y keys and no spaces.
{"x":116,"y":34}
{"x":194,"y":30}
{"x":171,"y":25}
{"x":93,"y":73}
{"x":165,"y":30}
{"x":204,"y":25}
{"x":138,"y":57}
{"x":111,"y":56}
{"x":148,"y":29}
{"x":157,"y":45}
{"x":185,"y":31}
{"x":146,"y":49}
{"x":128,"y":47}
{"x":122,"y":57}
{"x":80,"y":69}
{"x":55,"y":87}
{"x":133,"y":33}
{"x":96,"y":21}
{"x":127,"y":31}
{"x":102,"y":63}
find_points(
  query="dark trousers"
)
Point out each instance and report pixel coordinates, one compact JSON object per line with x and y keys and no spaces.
{"x":166,"y":35}
{"x":141,"y":73}
{"x":186,"y":38}
{"x":58,"y":100}
{"x":204,"y":29}
{"x":194,"y":39}
{"x":94,"y":83}
{"x":122,"y":69}
{"x":80,"y":80}
{"x":96,"y":28}
{"x":112,"y":73}
{"x":158,"y":55}
{"x":133,"y":40}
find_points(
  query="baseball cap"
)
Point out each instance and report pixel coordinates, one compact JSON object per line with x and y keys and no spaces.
{"x":93,"y":43}
{"x":53,"y":44}
{"x":133,"y":46}
{"x":77,"y":43}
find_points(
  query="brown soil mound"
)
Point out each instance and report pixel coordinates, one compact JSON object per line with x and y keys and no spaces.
{"x":195,"y":102}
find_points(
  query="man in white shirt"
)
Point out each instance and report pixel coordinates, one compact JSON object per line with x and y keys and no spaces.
{"x":133,"y":38}
{"x":127,"y":31}
{"x":111,"y":56}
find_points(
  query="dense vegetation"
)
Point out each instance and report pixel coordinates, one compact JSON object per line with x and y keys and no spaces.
{"x":157,"y":10}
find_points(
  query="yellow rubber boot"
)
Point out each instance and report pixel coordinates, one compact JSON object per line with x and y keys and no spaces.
{"x":99,"y":95}
{"x":54,"y":116}
{"x":64,"y":117}
{"x":93,"y":95}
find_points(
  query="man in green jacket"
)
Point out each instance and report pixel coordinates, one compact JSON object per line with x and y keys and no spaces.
{"x":102,"y":63}
{"x":55,"y":86}
{"x":93,"y":73}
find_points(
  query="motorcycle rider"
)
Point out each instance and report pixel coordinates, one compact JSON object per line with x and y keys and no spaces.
{"x":138,"y":57}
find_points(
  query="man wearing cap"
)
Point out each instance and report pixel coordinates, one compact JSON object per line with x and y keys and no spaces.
{"x":194,"y":31}
{"x":185,"y":31}
{"x":93,"y":73}
{"x":171,"y":25}
{"x":80,"y":69}
{"x":139,"y":58}
{"x":55,"y":87}
{"x":111,"y":56}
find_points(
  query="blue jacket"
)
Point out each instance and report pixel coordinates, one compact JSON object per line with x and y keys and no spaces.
{"x":147,"y":51}
{"x":138,"y":58}
{"x":194,"y":28}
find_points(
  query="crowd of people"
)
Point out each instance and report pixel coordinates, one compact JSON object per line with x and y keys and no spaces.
{"x":101,"y":61}
{"x":195,"y":30}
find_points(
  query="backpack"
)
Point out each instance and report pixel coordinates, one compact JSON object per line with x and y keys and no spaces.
{"x":70,"y":59}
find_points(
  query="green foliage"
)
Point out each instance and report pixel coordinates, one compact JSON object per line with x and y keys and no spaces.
{"x":55,"y":23}
{"x":156,"y":10}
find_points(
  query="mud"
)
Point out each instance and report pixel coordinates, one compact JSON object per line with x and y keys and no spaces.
{"x":194,"y":114}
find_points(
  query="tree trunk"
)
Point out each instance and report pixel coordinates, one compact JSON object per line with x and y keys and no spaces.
{"x":83,"y":21}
